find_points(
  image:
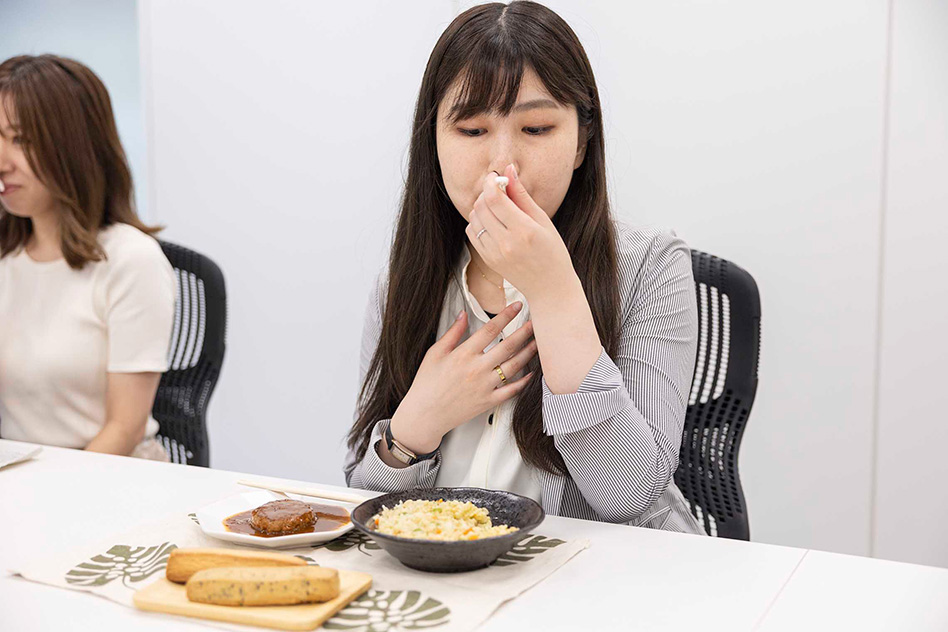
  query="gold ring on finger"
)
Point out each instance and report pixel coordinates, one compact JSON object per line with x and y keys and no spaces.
{"x":500,"y":372}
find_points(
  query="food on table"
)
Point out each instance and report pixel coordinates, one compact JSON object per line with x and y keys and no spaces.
{"x":183,"y":563}
{"x":438,"y":520}
{"x":287,"y":517}
{"x":280,"y":517}
{"x":277,"y":586}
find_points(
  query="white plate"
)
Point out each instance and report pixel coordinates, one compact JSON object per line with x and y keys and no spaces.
{"x":211,"y":520}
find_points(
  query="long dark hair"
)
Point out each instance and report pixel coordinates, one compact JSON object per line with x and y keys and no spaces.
{"x":488,"y":47}
{"x":68,"y":132}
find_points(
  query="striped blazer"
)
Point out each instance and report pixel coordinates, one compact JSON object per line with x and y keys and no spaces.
{"x":620,"y":432}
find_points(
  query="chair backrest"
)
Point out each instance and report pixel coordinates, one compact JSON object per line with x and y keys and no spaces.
{"x":722,"y":393}
{"x":195,"y":356}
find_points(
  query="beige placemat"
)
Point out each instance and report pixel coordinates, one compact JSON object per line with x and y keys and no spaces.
{"x":400,"y":598}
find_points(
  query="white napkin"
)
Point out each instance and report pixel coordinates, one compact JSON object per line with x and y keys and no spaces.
{"x":14,"y":452}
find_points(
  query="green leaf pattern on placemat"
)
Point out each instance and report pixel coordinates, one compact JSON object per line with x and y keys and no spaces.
{"x":193,"y":516}
{"x":382,"y":611}
{"x":352,"y":539}
{"x":131,"y":564}
{"x":526,"y":549}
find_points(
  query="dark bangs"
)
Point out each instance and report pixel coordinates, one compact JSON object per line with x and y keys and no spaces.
{"x":488,"y":63}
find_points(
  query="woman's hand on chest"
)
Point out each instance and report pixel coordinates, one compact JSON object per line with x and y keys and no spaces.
{"x":458,"y":381}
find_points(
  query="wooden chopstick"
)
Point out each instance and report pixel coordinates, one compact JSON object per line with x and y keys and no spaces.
{"x":303,"y":491}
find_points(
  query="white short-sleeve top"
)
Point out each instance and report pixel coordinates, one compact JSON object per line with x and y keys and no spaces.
{"x":63,"y":330}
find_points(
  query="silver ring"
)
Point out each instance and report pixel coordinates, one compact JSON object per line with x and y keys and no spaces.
{"x":482,"y":231}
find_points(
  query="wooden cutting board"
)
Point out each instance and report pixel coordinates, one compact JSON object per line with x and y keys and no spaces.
{"x":168,"y":597}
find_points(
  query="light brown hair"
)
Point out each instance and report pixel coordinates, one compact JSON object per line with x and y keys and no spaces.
{"x":488,"y":47}
{"x":67,"y":130}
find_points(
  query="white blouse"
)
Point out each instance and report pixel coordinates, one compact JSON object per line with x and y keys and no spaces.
{"x":483,"y":451}
{"x":63,"y":330}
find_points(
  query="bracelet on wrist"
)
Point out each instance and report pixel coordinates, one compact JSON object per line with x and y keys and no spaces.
{"x":401,"y":453}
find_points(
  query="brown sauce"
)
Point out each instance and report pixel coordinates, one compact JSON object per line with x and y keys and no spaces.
{"x":328,"y":518}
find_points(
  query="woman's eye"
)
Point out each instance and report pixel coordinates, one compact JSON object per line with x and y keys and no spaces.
{"x":532,"y":131}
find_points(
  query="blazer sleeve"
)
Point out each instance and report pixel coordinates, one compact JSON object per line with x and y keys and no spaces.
{"x":371,"y":472}
{"x":620,"y":432}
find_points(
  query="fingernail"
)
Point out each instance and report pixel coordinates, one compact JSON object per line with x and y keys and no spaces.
{"x":517,"y":305}
{"x":460,"y":313}
{"x":514,"y":169}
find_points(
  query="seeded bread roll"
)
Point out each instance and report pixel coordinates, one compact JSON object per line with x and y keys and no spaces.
{"x":278,"y":586}
{"x":183,"y":563}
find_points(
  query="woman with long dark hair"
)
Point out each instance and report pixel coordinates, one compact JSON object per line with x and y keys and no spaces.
{"x":520,"y":338}
{"x":86,"y":294}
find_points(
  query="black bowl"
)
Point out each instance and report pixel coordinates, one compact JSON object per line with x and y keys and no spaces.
{"x":451,"y":557}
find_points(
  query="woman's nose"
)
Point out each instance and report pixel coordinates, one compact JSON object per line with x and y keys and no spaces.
{"x":502,"y":152}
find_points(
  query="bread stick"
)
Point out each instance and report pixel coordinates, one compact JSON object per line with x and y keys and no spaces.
{"x":275,"y":586}
{"x":183,"y":563}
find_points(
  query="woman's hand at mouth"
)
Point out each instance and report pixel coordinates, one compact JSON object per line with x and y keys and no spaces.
{"x":520,"y":241}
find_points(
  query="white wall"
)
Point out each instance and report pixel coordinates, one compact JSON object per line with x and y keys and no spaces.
{"x":277,"y":139}
{"x":102,"y":34}
{"x":911,"y":516}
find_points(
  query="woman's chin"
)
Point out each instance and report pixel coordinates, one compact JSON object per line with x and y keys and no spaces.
{"x":16,"y":207}
{"x":14,"y":212}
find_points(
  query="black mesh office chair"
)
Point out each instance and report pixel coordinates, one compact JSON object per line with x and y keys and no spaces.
{"x":722,"y":393}
{"x":196,"y":354}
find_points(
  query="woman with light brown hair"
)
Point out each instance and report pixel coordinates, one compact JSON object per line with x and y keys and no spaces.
{"x":86,"y":294}
{"x":520,"y":337}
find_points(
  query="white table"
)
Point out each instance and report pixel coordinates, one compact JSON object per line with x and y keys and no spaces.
{"x":829,"y":591}
{"x":628,"y":579}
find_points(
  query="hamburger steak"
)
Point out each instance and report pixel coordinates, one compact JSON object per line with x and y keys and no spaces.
{"x":283,"y":517}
